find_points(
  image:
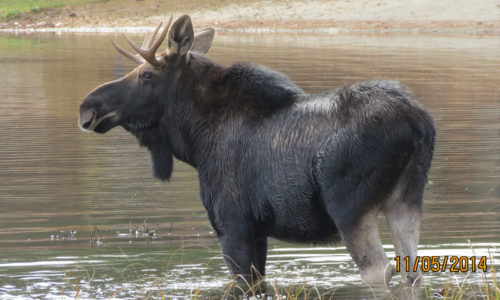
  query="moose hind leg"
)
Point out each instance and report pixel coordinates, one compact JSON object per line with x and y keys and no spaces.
{"x":403,"y":211}
{"x":354,"y":209}
{"x":365,"y":247}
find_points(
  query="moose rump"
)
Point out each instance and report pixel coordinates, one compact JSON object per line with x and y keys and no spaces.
{"x":272,"y":160}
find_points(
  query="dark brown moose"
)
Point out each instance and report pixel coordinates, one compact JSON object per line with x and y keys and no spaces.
{"x":272,"y":160}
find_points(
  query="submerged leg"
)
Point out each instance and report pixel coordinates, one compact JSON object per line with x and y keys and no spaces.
{"x":243,"y":255}
{"x":403,"y":212}
{"x":352,"y":202}
{"x":365,"y":247}
{"x":261,"y":254}
{"x":404,"y":224}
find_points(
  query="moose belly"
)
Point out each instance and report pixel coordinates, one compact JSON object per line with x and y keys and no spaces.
{"x":303,"y":222}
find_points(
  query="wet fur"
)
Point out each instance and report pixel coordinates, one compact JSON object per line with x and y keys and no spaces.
{"x":274,"y":161}
{"x":270,"y":166}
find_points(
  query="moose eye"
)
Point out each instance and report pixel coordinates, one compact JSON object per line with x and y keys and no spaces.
{"x":147,"y":76}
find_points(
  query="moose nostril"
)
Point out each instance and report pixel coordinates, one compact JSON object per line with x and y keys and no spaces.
{"x":86,"y":119}
{"x":87,"y":123}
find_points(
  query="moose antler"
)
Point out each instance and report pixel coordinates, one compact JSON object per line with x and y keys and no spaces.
{"x":147,"y":52}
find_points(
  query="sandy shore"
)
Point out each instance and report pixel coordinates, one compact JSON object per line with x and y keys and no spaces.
{"x":365,"y":16}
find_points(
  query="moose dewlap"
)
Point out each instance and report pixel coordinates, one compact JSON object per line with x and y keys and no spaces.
{"x":272,"y":160}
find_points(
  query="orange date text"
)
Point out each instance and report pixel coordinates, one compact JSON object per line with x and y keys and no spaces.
{"x":441,"y":264}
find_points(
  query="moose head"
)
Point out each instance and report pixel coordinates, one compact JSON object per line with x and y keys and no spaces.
{"x":135,"y":100}
{"x":138,"y":101}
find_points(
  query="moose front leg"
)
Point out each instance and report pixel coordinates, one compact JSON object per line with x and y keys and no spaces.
{"x":243,"y":254}
{"x":260,"y":246}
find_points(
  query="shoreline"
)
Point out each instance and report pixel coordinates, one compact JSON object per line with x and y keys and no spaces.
{"x":468,"y":17}
{"x":271,"y":30}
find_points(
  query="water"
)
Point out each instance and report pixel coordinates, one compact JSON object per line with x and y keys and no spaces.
{"x":54,"y":178}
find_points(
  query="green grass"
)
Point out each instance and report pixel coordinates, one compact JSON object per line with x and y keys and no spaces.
{"x":12,"y":8}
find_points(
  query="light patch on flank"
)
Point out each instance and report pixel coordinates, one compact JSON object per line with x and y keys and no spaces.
{"x":317,"y":105}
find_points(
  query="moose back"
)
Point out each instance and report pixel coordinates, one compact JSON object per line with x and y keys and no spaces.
{"x":272,"y":160}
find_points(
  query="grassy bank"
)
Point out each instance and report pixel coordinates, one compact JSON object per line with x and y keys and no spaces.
{"x":10,"y":9}
{"x":13,"y":8}
{"x":464,"y":16}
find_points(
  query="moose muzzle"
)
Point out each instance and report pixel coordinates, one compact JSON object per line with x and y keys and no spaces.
{"x":88,"y":119}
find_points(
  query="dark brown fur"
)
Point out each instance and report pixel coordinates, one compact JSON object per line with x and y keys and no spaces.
{"x":274,"y":161}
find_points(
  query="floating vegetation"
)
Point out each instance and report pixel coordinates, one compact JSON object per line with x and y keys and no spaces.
{"x":63,"y":235}
{"x":96,"y":237}
{"x":140,"y":231}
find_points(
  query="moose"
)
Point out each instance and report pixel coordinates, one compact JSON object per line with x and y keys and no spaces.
{"x":272,"y":160}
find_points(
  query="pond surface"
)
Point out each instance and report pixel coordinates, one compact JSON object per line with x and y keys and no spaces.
{"x":55,"y":178}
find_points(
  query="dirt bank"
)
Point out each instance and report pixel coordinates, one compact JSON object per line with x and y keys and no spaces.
{"x":463,"y":16}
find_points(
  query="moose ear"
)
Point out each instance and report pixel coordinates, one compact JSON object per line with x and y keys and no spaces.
{"x":203,"y":40}
{"x":180,"y":36}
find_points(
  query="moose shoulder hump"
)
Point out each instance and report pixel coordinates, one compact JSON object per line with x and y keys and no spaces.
{"x":255,"y":88}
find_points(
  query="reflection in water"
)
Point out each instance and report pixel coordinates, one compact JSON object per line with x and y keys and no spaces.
{"x":55,"y":178}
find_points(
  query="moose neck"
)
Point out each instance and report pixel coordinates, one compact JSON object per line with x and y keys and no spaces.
{"x":186,"y":123}
{"x":204,"y":100}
